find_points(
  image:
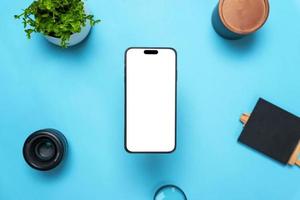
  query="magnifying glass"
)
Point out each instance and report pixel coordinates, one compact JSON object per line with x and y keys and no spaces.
{"x":169,"y":192}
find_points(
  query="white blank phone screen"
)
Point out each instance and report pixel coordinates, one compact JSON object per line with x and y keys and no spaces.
{"x":150,"y":100}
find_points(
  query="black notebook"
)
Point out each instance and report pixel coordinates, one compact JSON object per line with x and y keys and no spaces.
{"x":272,"y":131}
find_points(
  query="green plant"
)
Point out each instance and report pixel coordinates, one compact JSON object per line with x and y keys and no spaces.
{"x":56,"y":18}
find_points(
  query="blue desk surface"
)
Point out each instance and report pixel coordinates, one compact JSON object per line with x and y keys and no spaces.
{"x":79,"y":91}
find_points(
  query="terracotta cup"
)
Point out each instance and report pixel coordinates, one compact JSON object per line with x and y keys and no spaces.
{"x":234,"y":19}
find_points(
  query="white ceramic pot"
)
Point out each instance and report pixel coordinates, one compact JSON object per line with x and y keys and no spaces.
{"x":76,"y":38}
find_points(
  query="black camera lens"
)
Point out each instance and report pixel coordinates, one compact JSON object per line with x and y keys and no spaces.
{"x":45,"y":149}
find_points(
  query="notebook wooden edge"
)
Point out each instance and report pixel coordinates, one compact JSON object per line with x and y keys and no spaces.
{"x":294,"y":160}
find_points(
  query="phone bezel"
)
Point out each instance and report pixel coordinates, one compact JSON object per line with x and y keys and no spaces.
{"x":125,"y":99}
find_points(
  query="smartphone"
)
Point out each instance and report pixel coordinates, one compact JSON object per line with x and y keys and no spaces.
{"x":150,"y":100}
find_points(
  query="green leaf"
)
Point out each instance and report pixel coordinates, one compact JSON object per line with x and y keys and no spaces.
{"x":28,"y":32}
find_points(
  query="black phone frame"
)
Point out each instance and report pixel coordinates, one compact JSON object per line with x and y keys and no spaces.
{"x":125,"y":101}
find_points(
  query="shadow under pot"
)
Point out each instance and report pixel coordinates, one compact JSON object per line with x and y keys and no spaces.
{"x":45,"y":149}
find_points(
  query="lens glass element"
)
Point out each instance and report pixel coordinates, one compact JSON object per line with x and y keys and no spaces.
{"x":45,"y":150}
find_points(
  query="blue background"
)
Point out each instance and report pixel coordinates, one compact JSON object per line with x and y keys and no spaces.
{"x":79,"y":91}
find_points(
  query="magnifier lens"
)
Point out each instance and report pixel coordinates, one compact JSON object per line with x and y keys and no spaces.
{"x":170,"y":192}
